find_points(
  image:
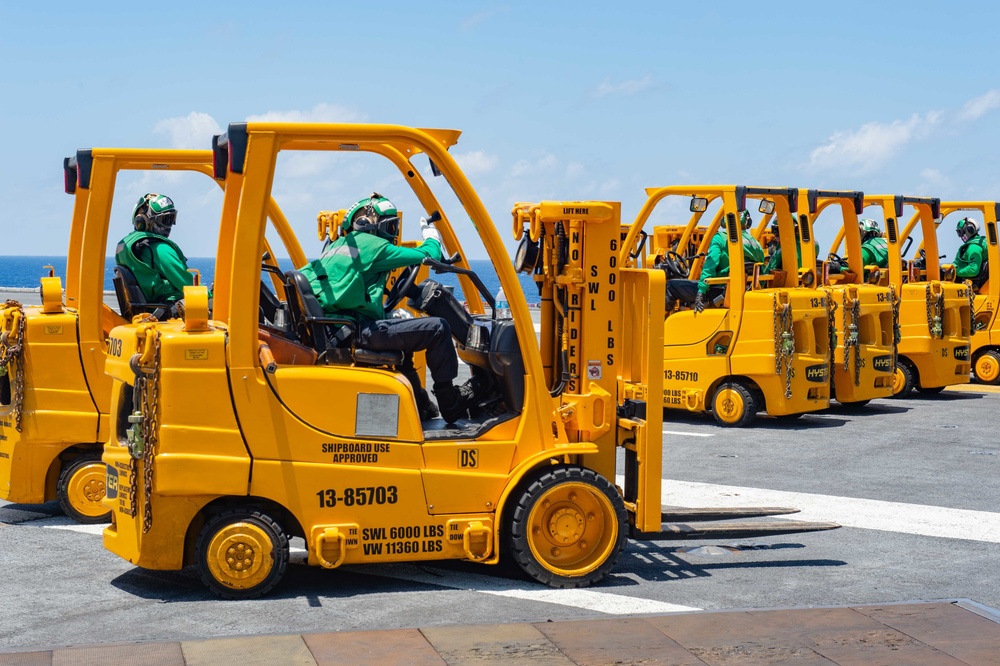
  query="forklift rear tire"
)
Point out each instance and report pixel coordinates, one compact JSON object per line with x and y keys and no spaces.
{"x":567,"y":528}
{"x":241,"y":554}
{"x":81,"y":488}
{"x":734,"y":405}
{"x":857,"y":404}
{"x":987,"y":367}
{"x":903,"y":380}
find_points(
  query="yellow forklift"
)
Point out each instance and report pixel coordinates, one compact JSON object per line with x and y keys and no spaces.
{"x":54,"y":393}
{"x":763,"y":343}
{"x":231,"y":434}
{"x":985,"y":349}
{"x":864,"y":327}
{"x":934,"y":314}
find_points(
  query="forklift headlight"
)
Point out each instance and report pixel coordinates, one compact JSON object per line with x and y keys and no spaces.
{"x":526,"y":257}
{"x":808,"y":279}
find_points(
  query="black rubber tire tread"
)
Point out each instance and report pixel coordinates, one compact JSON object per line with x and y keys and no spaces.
{"x":996,"y":357}
{"x":910,"y":375}
{"x":857,"y":404}
{"x":262,"y":520}
{"x":517,"y":546}
{"x":67,"y":472}
{"x":749,"y":399}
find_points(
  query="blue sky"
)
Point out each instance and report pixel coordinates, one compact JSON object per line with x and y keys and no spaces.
{"x":555,"y":100}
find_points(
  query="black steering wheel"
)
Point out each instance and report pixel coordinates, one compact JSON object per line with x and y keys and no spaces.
{"x":401,"y":287}
{"x":675,"y":265}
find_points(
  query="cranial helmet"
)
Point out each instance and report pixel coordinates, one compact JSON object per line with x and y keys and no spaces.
{"x":869,"y":228}
{"x":745,"y":220}
{"x":154,"y":213}
{"x":968,"y":227}
{"x":775,"y":226}
{"x":373,"y":215}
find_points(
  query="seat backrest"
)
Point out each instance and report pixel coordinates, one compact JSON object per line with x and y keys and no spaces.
{"x":131,"y":300}
{"x":298,"y":288}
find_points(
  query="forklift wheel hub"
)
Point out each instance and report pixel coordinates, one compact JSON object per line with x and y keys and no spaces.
{"x":86,"y":489}
{"x":573,"y":529}
{"x":239,"y":555}
{"x":729,"y":405}
{"x":987,"y":368}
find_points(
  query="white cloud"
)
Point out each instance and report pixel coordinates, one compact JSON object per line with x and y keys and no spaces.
{"x":471,"y":22}
{"x":872,"y":144}
{"x":574,"y":170}
{"x":609,"y":187}
{"x":980,"y":106}
{"x":321,"y":113}
{"x":476,"y":162}
{"x":623,"y":89}
{"x":527,"y":168}
{"x":934,"y":177}
{"x":192,"y":131}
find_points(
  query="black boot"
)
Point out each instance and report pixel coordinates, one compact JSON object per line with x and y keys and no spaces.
{"x":451,"y":402}
{"x":427,"y":409}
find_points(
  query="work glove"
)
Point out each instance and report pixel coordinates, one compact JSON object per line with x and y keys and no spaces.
{"x":177,"y":310}
{"x":699,"y":302}
{"x":400,"y":313}
{"x":428,"y":231}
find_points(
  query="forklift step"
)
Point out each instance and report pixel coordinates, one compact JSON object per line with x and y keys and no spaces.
{"x":731,"y":530}
{"x":680,"y":514}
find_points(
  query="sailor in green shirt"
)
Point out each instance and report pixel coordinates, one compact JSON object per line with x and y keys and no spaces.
{"x":349,"y":281}
{"x":874,"y":249}
{"x":157,"y":262}
{"x":716,"y":264}
{"x":970,"y":261}
{"x":774,"y":262}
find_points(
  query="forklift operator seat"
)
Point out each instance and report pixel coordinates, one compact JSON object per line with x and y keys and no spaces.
{"x":332,"y":337}
{"x":131,"y":300}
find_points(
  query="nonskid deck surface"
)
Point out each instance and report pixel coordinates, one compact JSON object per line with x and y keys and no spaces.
{"x":937,"y":632}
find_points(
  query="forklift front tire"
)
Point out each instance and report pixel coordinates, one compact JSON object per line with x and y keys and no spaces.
{"x":81,"y":488}
{"x":567,"y":528}
{"x":734,"y":405}
{"x":242,"y":554}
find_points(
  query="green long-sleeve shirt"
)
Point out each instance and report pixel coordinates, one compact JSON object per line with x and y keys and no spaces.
{"x":970,"y":258}
{"x":875,"y":251}
{"x":716,"y":262}
{"x":775,"y":260}
{"x":158,"y":264}
{"x":349,"y":279}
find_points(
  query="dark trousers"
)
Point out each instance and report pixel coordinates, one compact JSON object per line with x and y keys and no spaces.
{"x":686,"y":291}
{"x":410,"y":335}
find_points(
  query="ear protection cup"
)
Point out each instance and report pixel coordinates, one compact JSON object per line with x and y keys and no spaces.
{"x":141,"y":222}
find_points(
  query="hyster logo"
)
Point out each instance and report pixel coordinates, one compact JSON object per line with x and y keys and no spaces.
{"x":961,"y":353}
{"x":816,"y":373}
{"x":882,"y":363}
{"x":112,"y":483}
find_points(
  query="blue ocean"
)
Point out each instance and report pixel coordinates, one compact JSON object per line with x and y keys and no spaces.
{"x":25,"y":272}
